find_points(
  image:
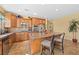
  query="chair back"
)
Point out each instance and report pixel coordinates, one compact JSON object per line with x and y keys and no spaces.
{"x":62,"y":36}
{"x":52,"y":41}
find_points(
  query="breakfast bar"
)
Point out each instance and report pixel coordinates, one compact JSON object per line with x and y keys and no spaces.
{"x":6,"y":41}
{"x":35,"y":42}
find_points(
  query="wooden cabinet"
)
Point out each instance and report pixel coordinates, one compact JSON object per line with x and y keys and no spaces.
{"x":18,"y":37}
{"x":0,"y":47}
{"x":26,"y":35}
{"x":11,"y":20}
{"x":37,"y":21}
{"x":26,"y":21}
{"x":19,"y":21}
{"x":6,"y":43}
{"x":22,"y":36}
{"x":35,"y":46}
{"x":11,"y":39}
{"x":5,"y":46}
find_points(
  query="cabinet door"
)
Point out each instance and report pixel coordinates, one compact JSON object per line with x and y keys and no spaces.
{"x":11,"y":40}
{"x":35,"y":46}
{"x":18,"y":37}
{"x":26,"y":36}
{"x":0,"y":47}
{"x":11,"y":20}
{"x":5,"y":46}
{"x":19,"y":21}
{"x":22,"y":36}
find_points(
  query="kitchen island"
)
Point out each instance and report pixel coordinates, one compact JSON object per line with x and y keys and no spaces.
{"x":6,"y":41}
{"x":37,"y":38}
{"x":35,"y":41}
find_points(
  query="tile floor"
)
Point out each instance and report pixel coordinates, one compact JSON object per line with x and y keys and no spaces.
{"x":22,"y":48}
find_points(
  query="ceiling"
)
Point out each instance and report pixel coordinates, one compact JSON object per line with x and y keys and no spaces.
{"x":50,"y":11}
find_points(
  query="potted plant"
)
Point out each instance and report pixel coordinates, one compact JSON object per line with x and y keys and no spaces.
{"x":73,"y":27}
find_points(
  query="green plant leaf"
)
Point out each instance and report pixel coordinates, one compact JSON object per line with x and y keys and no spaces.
{"x":73,"y":27}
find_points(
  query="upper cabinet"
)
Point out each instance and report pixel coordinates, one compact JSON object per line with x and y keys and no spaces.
{"x":37,"y":21}
{"x":19,"y":21}
{"x":11,"y":20}
{"x":38,"y":24}
{"x":24,"y":23}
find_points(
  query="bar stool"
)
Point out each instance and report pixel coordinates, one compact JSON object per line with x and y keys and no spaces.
{"x":48,"y":44}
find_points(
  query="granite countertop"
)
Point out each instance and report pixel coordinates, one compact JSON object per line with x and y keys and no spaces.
{"x":5,"y":35}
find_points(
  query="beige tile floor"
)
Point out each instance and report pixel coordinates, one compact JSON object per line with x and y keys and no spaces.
{"x":19,"y":48}
{"x":22,"y":48}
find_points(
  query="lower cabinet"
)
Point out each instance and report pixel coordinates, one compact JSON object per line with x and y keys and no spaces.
{"x":0,"y":47}
{"x":11,"y":39}
{"x":35,"y":46}
{"x":22,"y":36}
{"x":5,"y":46}
{"x":6,"y":43}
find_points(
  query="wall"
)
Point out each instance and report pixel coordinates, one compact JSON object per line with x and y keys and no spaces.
{"x":2,"y":10}
{"x":62,"y":24}
{"x":49,"y":26}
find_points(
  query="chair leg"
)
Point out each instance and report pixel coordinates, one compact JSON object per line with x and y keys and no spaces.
{"x":53,"y":52}
{"x":41,"y":50}
{"x":50,"y":51}
{"x":53,"y":48}
{"x":62,"y":49}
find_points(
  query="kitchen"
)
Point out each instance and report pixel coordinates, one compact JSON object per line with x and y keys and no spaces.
{"x":16,"y":28}
{"x":35,"y":29}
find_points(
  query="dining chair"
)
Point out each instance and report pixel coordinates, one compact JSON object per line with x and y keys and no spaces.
{"x":48,"y":44}
{"x":59,"y":42}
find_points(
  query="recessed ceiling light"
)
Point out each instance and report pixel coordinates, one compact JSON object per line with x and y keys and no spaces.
{"x":57,"y":9}
{"x":19,"y":10}
{"x":43,"y":4}
{"x":26,"y":9}
{"x":34,"y":13}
